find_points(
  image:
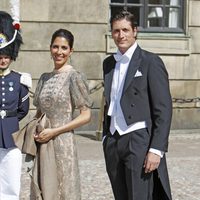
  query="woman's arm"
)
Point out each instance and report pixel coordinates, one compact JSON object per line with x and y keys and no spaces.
{"x":83,"y":118}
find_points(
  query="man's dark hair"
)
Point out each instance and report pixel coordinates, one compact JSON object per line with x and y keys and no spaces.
{"x":124,"y":14}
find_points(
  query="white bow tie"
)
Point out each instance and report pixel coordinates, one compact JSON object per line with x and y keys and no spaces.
{"x":119,"y":57}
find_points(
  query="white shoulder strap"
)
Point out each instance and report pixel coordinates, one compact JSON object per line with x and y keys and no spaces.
{"x":26,"y":79}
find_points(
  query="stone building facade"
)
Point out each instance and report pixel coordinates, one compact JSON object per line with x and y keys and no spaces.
{"x":89,"y":21}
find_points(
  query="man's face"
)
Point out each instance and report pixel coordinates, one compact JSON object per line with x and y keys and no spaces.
{"x":123,"y":34}
{"x":4,"y":62}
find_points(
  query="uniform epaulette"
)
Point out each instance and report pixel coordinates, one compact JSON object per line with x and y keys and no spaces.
{"x":25,"y":79}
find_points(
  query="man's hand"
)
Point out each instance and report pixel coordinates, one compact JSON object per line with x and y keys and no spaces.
{"x":151,"y":162}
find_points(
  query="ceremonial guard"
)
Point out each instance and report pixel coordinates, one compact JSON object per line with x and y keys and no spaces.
{"x":14,"y":105}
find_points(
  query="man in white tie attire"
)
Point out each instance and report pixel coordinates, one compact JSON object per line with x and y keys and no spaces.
{"x":137,"y":117}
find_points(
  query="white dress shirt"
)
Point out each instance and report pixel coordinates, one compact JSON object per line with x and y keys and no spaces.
{"x":117,"y":118}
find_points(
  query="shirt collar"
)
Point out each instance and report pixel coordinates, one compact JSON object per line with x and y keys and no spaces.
{"x":4,"y":72}
{"x":128,"y":54}
{"x":131,"y":50}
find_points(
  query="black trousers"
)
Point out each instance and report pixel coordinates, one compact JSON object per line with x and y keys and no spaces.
{"x":124,"y":156}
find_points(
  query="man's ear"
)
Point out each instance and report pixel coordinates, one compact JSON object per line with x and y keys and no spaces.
{"x":135,"y":31}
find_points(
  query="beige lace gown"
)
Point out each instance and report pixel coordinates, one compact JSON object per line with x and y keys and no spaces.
{"x":57,"y":95}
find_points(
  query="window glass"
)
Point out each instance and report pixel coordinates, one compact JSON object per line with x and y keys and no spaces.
{"x":115,"y":9}
{"x":172,"y":19}
{"x":173,"y":2}
{"x":133,"y":1}
{"x":117,"y":1}
{"x":154,"y":15}
{"x":155,"y":2}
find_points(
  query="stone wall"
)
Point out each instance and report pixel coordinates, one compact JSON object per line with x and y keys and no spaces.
{"x":88,"y":20}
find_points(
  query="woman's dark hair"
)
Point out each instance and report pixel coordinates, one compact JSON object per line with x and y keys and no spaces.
{"x":65,"y":34}
{"x":123,"y":14}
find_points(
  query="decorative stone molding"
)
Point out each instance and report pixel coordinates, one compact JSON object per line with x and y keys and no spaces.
{"x":169,"y":44}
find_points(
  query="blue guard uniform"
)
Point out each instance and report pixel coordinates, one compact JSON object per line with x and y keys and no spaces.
{"x":14,"y":105}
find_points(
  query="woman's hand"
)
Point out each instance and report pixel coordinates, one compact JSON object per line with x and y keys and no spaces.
{"x":44,"y":136}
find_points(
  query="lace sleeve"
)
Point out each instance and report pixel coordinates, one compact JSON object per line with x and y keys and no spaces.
{"x":80,"y":91}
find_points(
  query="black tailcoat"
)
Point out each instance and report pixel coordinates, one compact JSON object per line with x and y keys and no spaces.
{"x":144,"y":98}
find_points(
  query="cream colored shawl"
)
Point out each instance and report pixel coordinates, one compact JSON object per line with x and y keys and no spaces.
{"x":44,"y":172}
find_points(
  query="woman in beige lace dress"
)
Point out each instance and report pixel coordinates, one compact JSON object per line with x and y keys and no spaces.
{"x":58,"y":93}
